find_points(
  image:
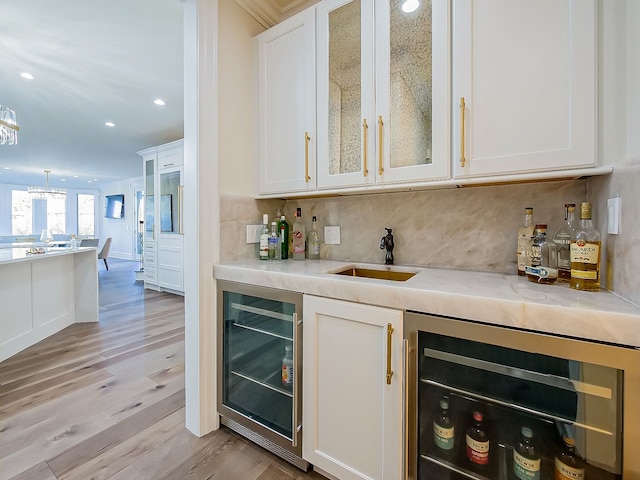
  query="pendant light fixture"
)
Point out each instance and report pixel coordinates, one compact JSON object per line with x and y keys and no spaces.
{"x":47,"y":192}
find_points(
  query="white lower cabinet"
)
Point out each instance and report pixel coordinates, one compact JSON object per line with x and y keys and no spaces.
{"x":352,"y":410}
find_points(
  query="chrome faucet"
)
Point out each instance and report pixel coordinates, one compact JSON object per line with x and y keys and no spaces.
{"x":387,"y":243}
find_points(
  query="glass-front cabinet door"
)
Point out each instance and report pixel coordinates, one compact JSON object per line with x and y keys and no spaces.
{"x":170,"y":208}
{"x":259,"y":357}
{"x":149,"y":199}
{"x":382,"y":92}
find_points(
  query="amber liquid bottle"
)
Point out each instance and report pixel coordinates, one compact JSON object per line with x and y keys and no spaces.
{"x":478,"y":443}
{"x":568,"y":465}
{"x":585,"y":253}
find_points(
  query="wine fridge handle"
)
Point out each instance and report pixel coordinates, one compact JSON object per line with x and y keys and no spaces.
{"x":297,"y":387}
{"x":405,"y":409}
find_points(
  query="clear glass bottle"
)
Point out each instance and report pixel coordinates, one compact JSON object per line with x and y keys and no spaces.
{"x":526,"y":457}
{"x":298,"y":237}
{"x":287,"y":366}
{"x":542,"y":265}
{"x":275,"y":250}
{"x":74,"y":242}
{"x":585,"y":253}
{"x":263,"y":249}
{"x":444,"y":430}
{"x":525,"y":232}
{"x":283,"y":226}
{"x":562,"y":239}
{"x":568,"y":464}
{"x":313,"y":242}
{"x":478,"y":443}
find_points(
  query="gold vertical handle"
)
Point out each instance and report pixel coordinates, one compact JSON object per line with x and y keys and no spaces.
{"x":307,"y":138}
{"x":180,"y":209}
{"x":365,"y":129}
{"x":462,"y":107}
{"x":380,"y":132}
{"x":389,"y":335}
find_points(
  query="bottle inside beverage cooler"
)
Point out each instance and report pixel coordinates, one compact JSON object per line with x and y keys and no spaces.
{"x":477,"y":443}
{"x":526,"y":458}
{"x":568,"y":465}
{"x":444,"y":430}
{"x":287,"y":366}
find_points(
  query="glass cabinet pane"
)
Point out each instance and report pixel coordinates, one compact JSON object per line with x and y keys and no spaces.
{"x":549,"y":398}
{"x":410,"y":88}
{"x":149,"y":187}
{"x":257,"y":335}
{"x":170,"y":202}
{"x":345,"y":109}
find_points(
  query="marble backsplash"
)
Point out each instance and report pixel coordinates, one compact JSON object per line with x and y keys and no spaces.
{"x":472,"y":228}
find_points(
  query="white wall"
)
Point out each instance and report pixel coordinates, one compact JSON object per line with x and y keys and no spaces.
{"x":633,"y":81}
{"x":122,"y":230}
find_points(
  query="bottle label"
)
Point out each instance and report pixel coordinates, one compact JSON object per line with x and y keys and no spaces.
{"x":542,"y":272}
{"x":443,"y":437}
{"x":566,"y":472}
{"x":583,"y":252}
{"x":524,"y":237}
{"x":264,"y":246}
{"x":298,"y":242}
{"x":287,"y":374}
{"x":525,"y":468}
{"x":477,"y":452}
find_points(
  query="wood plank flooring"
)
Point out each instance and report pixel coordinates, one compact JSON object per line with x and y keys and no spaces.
{"x":106,"y":400}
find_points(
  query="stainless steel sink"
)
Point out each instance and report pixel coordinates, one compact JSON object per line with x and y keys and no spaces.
{"x":382,"y":273}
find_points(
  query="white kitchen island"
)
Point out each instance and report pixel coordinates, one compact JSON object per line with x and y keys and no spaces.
{"x":41,"y":294}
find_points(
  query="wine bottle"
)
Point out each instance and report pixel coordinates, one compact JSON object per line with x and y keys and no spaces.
{"x":284,"y":237}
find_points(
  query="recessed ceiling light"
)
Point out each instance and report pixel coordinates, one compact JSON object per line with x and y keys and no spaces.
{"x":7,"y":168}
{"x":89,"y":181}
{"x":410,"y":6}
{"x":159,"y":101}
{"x":26,"y":75}
{"x":110,"y":124}
{"x":76,"y":176}
{"x":63,"y":179}
{"x":95,"y":179}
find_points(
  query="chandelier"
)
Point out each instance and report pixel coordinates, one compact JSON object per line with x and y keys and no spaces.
{"x":8,"y":127}
{"x":47,"y":192}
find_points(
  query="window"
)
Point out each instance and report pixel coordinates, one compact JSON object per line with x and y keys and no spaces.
{"x":86,"y":215}
{"x":21,"y":213}
{"x":56,"y":209}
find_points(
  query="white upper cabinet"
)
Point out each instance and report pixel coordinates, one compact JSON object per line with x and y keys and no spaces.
{"x":527,"y":73}
{"x":287,"y":89}
{"x":382,"y":92}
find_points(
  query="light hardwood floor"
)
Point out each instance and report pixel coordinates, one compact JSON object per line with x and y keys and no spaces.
{"x":106,"y":400}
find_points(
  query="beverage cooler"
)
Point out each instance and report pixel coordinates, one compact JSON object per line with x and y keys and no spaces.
{"x":496,"y":403}
{"x":259,"y":366}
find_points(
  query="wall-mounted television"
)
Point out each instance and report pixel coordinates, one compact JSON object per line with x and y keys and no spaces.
{"x":114,"y":206}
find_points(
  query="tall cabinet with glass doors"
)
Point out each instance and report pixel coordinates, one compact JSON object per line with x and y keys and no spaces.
{"x":163,"y":219}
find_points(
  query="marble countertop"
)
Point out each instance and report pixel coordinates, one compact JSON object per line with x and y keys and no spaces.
{"x":20,"y":253}
{"x":497,"y":299}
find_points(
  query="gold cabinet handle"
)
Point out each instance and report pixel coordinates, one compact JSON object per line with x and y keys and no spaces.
{"x":307,"y":138}
{"x":180,"y":209}
{"x":380,"y":131}
{"x":389,"y":335}
{"x":462,"y":106}
{"x":365,"y":129}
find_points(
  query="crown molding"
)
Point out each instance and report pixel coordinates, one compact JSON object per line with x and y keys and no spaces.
{"x":264,"y":11}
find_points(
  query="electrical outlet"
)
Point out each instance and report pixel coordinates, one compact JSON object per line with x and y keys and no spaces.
{"x":253,"y":233}
{"x":332,"y":235}
{"x":613,"y":207}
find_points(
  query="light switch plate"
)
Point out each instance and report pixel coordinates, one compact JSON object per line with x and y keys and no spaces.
{"x":253,"y":233}
{"x":613,"y":210}
{"x":332,"y":235}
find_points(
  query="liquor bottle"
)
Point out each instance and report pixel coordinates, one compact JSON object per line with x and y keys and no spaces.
{"x":478,"y":443}
{"x":287,"y":366}
{"x":283,"y":226}
{"x":542,"y":266}
{"x":264,"y":238}
{"x":525,"y":232}
{"x":562,"y":239}
{"x":275,"y":250}
{"x":444,"y":430}
{"x":313,"y":242}
{"x":585,"y":253}
{"x":298,"y":237}
{"x":568,"y":465}
{"x":526,"y":457}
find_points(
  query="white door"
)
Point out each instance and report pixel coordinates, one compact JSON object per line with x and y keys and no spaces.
{"x":286,"y":76}
{"x":352,"y":418}
{"x":527,"y":73}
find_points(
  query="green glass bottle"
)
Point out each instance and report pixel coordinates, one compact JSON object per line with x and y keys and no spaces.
{"x":283,"y":227}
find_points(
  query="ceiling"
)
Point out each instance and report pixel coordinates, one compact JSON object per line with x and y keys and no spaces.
{"x":93,"y":61}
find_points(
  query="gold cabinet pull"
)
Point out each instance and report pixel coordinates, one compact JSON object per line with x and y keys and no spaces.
{"x":307,"y":138}
{"x":180,"y":209}
{"x":380,"y":131}
{"x":389,"y":371}
{"x":365,"y":129}
{"x":462,"y":106}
